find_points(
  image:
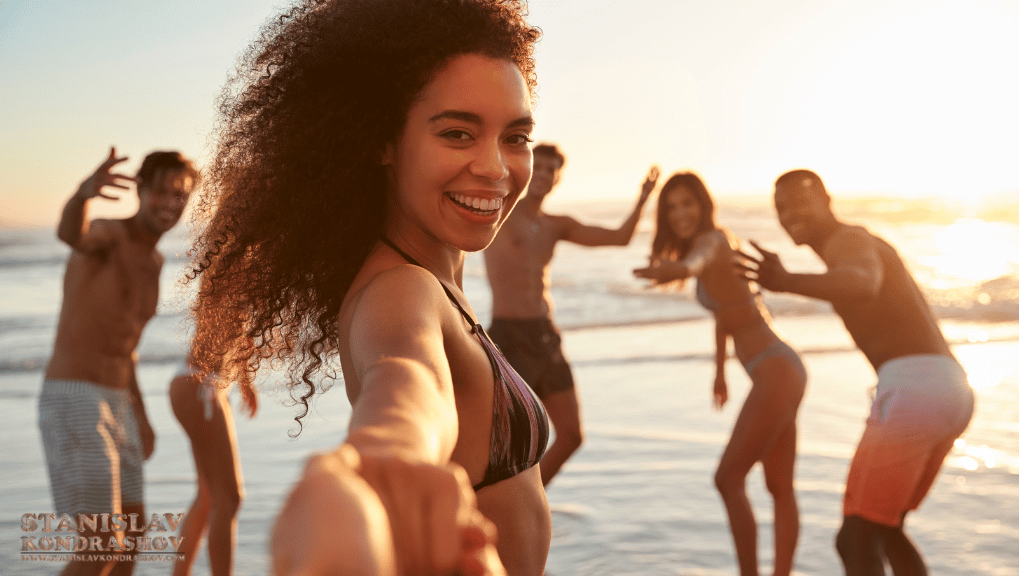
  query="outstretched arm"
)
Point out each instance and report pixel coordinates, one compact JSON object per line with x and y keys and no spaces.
{"x":588,"y":235}
{"x":141,"y":419}
{"x":73,"y":229}
{"x":705,"y":249}
{"x":405,"y":404}
{"x":720,"y":392}
{"x":854,"y":272}
{"x":408,"y":504}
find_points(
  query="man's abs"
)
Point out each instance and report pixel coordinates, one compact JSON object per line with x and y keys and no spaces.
{"x":519,"y":282}
{"x":101,"y":322}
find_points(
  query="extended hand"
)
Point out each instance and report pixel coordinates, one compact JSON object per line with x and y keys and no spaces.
{"x":433,"y":515}
{"x":648,"y":186}
{"x":662,"y":271}
{"x":720,"y":392}
{"x":353,"y":514}
{"x":94,"y":184}
{"x":767,"y":271}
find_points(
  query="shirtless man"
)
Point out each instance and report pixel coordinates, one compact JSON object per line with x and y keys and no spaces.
{"x":94,"y":426}
{"x":518,"y":268}
{"x":922,"y":401}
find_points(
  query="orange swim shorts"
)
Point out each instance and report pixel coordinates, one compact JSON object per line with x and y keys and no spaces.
{"x":922,"y":405}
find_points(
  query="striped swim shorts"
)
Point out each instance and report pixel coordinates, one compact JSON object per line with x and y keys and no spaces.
{"x":92,"y":445}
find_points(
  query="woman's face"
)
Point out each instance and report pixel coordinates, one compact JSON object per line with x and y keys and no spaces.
{"x":683,"y":211}
{"x":464,"y":157}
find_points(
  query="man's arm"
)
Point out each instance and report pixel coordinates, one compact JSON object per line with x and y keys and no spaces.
{"x":141,"y":418}
{"x":588,"y":235}
{"x":855,"y":270}
{"x":73,"y":228}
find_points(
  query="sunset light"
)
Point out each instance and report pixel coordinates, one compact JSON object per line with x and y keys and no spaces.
{"x":513,"y":267}
{"x":972,"y":251}
{"x":908,"y":98}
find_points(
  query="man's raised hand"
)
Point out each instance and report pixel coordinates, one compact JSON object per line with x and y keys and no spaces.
{"x":102,"y":177}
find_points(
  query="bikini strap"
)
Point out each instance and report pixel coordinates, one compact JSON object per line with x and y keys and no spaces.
{"x":411,"y":260}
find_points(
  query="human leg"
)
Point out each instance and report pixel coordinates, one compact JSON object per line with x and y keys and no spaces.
{"x":765,"y":431}
{"x":193,"y":528}
{"x":87,"y":564}
{"x":790,"y":379}
{"x":902,"y":554}
{"x":779,"y":464}
{"x":80,"y":434}
{"x":563,"y":409}
{"x":922,"y":404}
{"x":876,"y":488}
{"x":217,"y":457}
{"x":130,"y":454}
{"x":865,"y":546}
{"x":125,"y":567}
{"x":860,"y":546}
{"x":206,"y":416}
{"x":187,"y":408}
{"x":741,"y":452}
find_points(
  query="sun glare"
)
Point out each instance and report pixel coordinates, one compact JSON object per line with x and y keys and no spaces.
{"x":971,"y":251}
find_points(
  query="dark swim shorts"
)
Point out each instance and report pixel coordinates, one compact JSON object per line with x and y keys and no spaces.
{"x":534,"y":348}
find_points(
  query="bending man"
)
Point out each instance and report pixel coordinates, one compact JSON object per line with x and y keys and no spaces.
{"x":922,"y":401}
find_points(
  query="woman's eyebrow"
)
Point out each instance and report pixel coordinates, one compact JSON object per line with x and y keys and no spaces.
{"x":525,"y":121}
{"x":456,"y":115}
{"x":474,"y":118}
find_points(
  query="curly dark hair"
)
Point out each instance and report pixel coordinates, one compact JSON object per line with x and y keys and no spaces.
{"x":667,"y":244}
{"x":294,"y":198}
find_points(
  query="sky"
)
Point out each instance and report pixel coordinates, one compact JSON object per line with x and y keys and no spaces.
{"x":903,"y":98}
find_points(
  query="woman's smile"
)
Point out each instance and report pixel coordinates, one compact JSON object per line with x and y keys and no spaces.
{"x":485,"y":206}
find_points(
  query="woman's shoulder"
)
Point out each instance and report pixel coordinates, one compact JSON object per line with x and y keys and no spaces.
{"x":727,"y":236}
{"x":716,"y":238}
{"x":385,"y":288}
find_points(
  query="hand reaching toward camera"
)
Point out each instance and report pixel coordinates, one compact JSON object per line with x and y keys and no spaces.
{"x":353,"y":514}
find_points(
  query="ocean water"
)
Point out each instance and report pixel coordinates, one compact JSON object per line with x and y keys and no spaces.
{"x":638,"y":497}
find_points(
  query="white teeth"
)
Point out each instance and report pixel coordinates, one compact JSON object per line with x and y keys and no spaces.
{"x":482,"y":204}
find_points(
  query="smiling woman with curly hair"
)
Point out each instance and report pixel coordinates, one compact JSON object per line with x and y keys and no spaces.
{"x":363,"y":147}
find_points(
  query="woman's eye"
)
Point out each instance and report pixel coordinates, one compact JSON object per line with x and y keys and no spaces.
{"x":519,"y":139}
{"x":460,"y":135}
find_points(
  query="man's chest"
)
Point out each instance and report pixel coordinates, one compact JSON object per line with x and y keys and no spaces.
{"x":125,"y":279}
{"x":533,"y":238}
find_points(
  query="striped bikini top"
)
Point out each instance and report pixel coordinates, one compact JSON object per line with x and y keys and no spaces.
{"x":519,"y":424}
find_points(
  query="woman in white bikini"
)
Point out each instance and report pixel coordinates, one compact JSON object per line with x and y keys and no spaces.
{"x":200,"y":403}
{"x":688,"y":243}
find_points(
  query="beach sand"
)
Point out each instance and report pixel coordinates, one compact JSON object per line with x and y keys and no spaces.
{"x":638,"y":498}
